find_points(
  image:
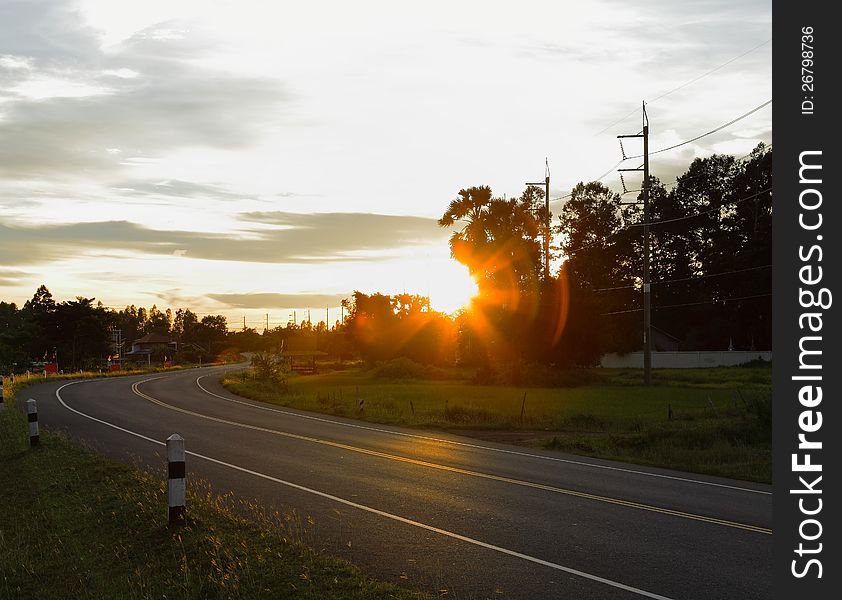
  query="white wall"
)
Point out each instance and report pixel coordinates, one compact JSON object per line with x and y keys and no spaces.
{"x":683,"y":360}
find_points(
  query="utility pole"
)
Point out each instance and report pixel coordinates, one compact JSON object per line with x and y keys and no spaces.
{"x":244,"y":323}
{"x":546,"y":236}
{"x":647,"y":284}
{"x":267,"y":321}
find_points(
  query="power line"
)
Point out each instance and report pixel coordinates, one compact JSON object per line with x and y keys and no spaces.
{"x":712,"y":71}
{"x":712,"y":301}
{"x":600,"y":178}
{"x":712,"y":131}
{"x":619,"y":287}
{"x":695,"y":278}
{"x":704,"y":212}
{"x":685,"y":84}
{"x":665,"y":221}
{"x":742,"y":158}
{"x":716,"y":301}
{"x":596,"y":243}
{"x":721,"y":127}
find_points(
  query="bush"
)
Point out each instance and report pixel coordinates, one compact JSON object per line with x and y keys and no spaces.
{"x":269,"y":367}
{"x":485,"y":375}
{"x":401,"y":368}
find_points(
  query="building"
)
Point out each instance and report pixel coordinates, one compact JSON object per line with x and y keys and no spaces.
{"x":152,"y":345}
{"x":664,"y":342}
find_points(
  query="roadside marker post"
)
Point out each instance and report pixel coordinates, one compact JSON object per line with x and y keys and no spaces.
{"x":32,"y":417}
{"x":2,"y":403}
{"x":176,"y":480}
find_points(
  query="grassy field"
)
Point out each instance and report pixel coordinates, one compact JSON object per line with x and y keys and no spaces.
{"x":76,"y":525}
{"x":715,"y":421}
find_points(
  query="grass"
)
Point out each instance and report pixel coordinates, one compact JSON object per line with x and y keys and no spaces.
{"x":36,"y":378}
{"x":78,"y":525}
{"x":714,"y":421}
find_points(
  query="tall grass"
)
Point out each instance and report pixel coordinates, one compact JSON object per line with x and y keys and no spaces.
{"x":715,"y":421}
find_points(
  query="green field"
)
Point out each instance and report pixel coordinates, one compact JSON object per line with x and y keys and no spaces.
{"x":77,"y":525}
{"x":715,"y":421}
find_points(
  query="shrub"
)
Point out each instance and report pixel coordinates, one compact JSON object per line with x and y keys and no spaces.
{"x":269,"y":367}
{"x":401,"y":368}
{"x":485,"y":375}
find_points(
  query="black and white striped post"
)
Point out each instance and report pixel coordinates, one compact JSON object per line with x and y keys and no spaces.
{"x":2,"y":403}
{"x":176,"y":479}
{"x":32,"y":417}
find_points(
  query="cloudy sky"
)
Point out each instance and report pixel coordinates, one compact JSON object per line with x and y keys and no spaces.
{"x":246,"y":158}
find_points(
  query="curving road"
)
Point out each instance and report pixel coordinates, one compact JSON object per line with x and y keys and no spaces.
{"x":434,"y":511}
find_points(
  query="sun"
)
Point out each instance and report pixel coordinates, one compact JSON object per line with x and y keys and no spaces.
{"x":452,"y":287}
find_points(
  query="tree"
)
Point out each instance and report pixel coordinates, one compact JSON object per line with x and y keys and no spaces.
{"x":710,"y":238}
{"x":82,"y":340}
{"x":40,"y":312}
{"x":16,"y":335}
{"x":213,"y":330}
{"x":383,"y":327}
{"x":467,"y":245}
{"x":602,"y":271}
{"x":130,"y":323}
{"x":159,"y":322}
{"x":186,"y":325}
{"x":587,"y":222}
{"x":498,"y":241}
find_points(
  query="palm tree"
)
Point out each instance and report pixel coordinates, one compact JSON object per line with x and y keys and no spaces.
{"x":498,"y":242}
{"x":468,"y":244}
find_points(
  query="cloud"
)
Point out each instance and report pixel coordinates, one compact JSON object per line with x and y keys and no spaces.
{"x":70,"y":112}
{"x":49,"y":32}
{"x":296,"y":238}
{"x":12,"y":277}
{"x":177,"y":189}
{"x":278,"y":301}
{"x":360,"y":231}
{"x":177,"y":297}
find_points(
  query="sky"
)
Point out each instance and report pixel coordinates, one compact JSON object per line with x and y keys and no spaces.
{"x":254,"y":158}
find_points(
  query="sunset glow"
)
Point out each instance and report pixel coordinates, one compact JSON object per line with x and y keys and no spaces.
{"x":257,"y":160}
{"x":453,"y":288}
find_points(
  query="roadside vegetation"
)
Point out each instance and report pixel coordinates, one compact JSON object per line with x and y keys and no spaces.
{"x":714,"y":421}
{"x":77,"y":525}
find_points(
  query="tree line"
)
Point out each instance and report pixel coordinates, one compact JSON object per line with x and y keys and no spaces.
{"x":78,"y":333}
{"x":711,"y":255}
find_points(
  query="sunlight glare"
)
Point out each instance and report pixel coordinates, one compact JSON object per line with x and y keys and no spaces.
{"x":452,"y":287}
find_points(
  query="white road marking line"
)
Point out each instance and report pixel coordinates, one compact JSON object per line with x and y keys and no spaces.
{"x":414,"y":461}
{"x":378,"y":512}
{"x":481,"y":447}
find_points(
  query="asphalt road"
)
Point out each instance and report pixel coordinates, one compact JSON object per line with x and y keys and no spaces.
{"x":434,"y":511}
